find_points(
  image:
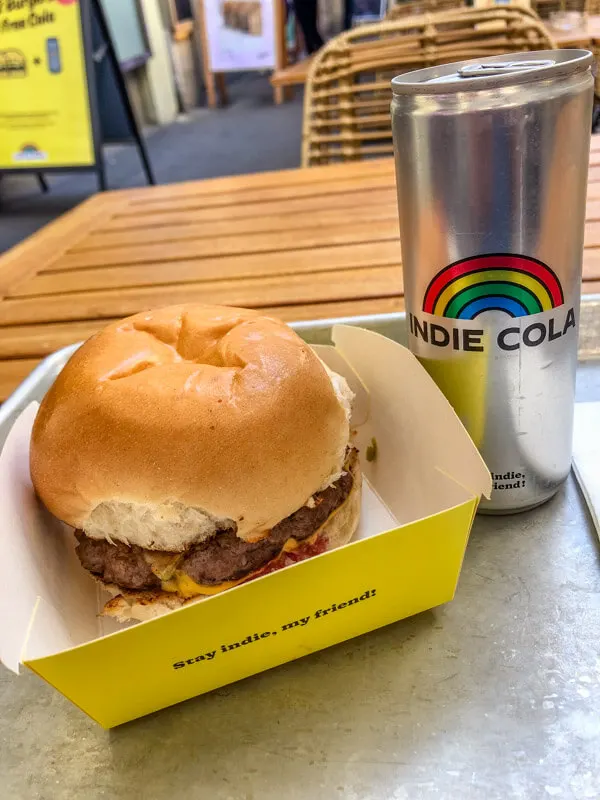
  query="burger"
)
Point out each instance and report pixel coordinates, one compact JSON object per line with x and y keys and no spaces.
{"x":193,"y":448}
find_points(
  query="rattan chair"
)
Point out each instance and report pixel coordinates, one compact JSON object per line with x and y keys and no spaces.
{"x":347,"y":98}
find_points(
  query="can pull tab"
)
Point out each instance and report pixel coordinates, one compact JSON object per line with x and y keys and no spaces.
{"x":501,"y":68}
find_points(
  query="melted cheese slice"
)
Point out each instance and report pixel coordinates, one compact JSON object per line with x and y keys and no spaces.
{"x":183,"y":585}
{"x":175,"y":580}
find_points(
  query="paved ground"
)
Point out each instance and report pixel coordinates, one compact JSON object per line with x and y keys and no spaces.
{"x":250,"y":135}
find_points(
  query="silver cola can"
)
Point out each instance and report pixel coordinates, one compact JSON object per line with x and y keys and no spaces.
{"x":491,"y":165}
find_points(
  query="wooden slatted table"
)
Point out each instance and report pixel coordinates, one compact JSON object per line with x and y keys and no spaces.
{"x":585,"y":36}
{"x":302,"y":244}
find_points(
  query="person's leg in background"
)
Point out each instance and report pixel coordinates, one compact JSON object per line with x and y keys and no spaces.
{"x":348,"y":12}
{"x":306,"y":14}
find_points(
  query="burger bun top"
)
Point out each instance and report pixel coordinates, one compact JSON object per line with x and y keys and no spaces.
{"x":172,"y":424}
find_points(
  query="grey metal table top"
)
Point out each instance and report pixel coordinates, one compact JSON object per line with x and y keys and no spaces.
{"x":494,"y":696}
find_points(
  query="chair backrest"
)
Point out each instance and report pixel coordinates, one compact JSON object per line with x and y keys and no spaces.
{"x":347,"y":98}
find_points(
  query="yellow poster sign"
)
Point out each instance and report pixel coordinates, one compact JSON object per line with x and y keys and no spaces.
{"x":45,"y":118}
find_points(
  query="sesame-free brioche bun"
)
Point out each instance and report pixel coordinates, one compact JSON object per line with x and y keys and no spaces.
{"x":172,"y":424}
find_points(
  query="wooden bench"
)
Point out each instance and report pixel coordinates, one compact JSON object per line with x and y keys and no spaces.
{"x":293,"y":75}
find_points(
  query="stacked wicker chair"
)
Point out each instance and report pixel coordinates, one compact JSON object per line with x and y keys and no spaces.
{"x":347,"y":98}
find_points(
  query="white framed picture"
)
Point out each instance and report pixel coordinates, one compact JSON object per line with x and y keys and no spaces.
{"x":240,"y":34}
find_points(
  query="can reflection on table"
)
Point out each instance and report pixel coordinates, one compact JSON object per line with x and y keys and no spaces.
{"x":491,"y":164}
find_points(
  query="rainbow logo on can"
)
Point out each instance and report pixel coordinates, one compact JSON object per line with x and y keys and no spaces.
{"x":517,"y":285}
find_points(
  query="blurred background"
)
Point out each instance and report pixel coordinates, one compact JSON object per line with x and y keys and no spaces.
{"x":200,"y":122}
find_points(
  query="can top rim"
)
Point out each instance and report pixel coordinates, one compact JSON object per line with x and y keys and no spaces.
{"x":446,"y":78}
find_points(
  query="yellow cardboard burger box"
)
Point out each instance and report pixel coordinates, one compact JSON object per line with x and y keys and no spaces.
{"x":420,"y":494}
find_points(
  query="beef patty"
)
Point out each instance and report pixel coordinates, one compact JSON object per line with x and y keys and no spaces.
{"x":223,"y":557}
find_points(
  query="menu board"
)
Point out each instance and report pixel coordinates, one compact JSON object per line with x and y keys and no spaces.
{"x":240,"y":34}
{"x":45,"y":118}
